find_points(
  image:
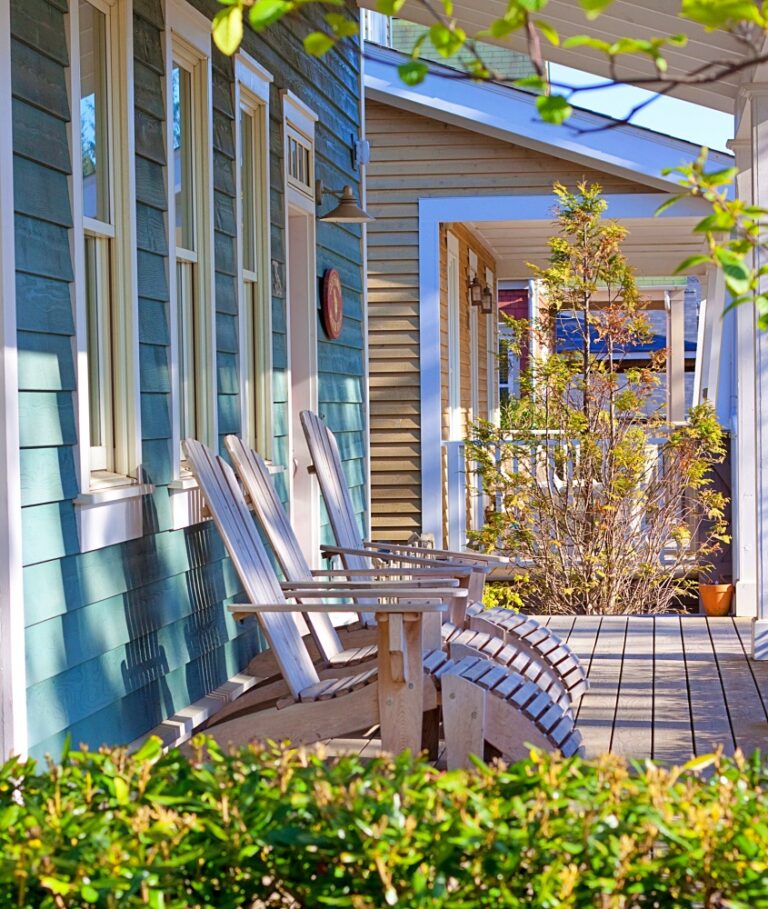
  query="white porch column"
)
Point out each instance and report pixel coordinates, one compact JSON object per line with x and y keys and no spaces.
{"x":13,"y":695}
{"x":674,"y":302}
{"x":759,"y":140}
{"x":743,"y":447}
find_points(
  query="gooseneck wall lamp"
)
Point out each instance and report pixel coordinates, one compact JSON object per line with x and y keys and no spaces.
{"x":347,"y":211}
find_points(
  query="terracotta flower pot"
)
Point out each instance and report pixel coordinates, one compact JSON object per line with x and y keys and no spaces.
{"x":716,"y":598}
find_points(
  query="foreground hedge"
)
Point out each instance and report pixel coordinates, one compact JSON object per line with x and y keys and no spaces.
{"x":285,"y":828}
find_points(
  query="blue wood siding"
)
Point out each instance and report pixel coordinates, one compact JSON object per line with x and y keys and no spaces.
{"x":120,"y":638}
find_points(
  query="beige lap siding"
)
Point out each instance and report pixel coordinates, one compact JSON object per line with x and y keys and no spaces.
{"x":412,"y":157}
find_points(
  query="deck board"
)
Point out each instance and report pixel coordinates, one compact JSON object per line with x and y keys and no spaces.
{"x":672,"y":728}
{"x":711,"y":725}
{"x":633,"y":725}
{"x":597,"y":711}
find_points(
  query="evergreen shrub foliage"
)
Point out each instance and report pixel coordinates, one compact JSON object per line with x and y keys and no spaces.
{"x":270,"y":826}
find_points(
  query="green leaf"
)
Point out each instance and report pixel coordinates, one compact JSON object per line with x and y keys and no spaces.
{"x":593,"y":8}
{"x":390,"y":7}
{"x":264,"y":12}
{"x":342,"y":26}
{"x":668,"y":203}
{"x":537,"y":83}
{"x":724,"y":14}
{"x":446,"y":41}
{"x":549,"y":32}
{"x":553,"y":108}
{"x":737,"y":275}
{"x":122,"y":793}
{"x":318,"y":43}
{"x":62,"y":888}
{"x":692,"y":262}
{"x":587,"y":41}
{"x":89,"y":894}
{"x":718,"y":222}
{"x":227,"y":29}
{"x":413,"y":72}
{"x":150,"y":750}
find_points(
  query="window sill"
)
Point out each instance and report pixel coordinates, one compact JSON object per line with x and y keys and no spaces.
{"x":187,"y":505}
{"x":111,"y":511}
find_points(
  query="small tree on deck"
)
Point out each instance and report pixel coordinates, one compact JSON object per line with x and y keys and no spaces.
{"x":606,"y":506}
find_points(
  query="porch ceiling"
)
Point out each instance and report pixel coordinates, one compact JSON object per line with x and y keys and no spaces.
{"x":654,"y":246}
{"x":624,"y":17}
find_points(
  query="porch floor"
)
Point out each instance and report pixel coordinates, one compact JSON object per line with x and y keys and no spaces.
{"x":662,"y":687}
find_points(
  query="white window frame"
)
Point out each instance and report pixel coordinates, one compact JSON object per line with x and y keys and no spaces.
{"x":252,"y":87}
{"x":455,"y":416}
{"x":188,"y":43}
{"x":108,"y":508}
{"x":474,"y":339}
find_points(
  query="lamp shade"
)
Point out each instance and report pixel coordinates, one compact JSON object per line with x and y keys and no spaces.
{"x":347,"y":211}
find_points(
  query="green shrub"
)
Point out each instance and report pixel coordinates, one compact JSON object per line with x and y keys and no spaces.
{"x":270,"y":826}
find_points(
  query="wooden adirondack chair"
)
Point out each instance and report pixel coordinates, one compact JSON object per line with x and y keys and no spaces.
{"x":257,"y":482}
{"x":484,"y":705}
{"x":524,"y":632}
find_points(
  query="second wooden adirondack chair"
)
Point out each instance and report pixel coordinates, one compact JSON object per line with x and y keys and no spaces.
{"x":257,"y":482}
{"x":484,"y":705}
{"x":522,"y":631}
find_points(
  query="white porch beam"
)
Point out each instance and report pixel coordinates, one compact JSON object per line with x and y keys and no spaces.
{"x":13,"y":695}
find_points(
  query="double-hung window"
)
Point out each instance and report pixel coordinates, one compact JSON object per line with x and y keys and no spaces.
{"x":253,"y":243}
{"x":191,"y":220}
{"x":103,"y":192}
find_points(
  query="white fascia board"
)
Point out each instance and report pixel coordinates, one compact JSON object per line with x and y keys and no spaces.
{"x":510,"y":115}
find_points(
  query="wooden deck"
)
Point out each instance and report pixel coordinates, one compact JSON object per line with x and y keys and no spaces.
{"x":665,"y":687}
{"x":668,"y":687}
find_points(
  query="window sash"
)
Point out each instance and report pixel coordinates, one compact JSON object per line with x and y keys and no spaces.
{"x":184,"y":163}
{"x":98,"y":299}
{"x":95,"y":110}
{"x":187,"y":360}
{"x":300,"y":163}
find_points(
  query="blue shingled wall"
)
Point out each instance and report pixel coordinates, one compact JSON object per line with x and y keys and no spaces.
{"x":120,"y":638}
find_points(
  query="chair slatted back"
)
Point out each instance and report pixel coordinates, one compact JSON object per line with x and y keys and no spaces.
{"x":238,"y":531}
{"x":333,"y":484}
{"x":272,"y":516}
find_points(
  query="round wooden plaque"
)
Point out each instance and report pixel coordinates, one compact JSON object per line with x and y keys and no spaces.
{"x":332,"y":306}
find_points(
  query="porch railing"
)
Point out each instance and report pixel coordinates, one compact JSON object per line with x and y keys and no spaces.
{"x":549,"y":460}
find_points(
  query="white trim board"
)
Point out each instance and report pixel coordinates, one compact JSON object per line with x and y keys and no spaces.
{"x":13,"y":697}
{"x":510,"y":115}
{"x":432,"y":213}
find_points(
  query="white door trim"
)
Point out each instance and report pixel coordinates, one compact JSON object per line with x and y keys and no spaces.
{"x":13,"y":695}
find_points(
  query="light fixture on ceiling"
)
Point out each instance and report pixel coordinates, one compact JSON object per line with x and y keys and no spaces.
{"x":347,"y":211}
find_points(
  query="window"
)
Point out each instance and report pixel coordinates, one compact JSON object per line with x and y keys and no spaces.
{"x":191,"y":220}
{"x":104,"y":208}
{"x":253,"y":218}
{"x":98,"y":228}
{"x":300,"y":161}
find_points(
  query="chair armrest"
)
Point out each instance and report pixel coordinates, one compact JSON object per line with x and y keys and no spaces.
{"x":450,"y":568}
{"x":374,"y":573}
{"x":243,"y":610}
{"x":370,"y":583}
{"x":389,"y":591}
{"x":376,"y":545}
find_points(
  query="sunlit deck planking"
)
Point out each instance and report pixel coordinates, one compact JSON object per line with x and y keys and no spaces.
{"x":668,"y":687}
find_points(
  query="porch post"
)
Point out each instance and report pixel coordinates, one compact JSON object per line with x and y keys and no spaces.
{"x":743,"y":448}
{"x":759,"y":139}
{"x":674,"y":302}
{"x":13,"y":696}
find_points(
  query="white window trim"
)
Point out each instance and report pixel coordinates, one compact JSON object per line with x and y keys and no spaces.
{"x":474,"y":338}
{"x":103,"y":519}
{"x":453,"y":403}
{"x":13,"y":698}
{"x":188,"y":38}
{"x":252,"y":86}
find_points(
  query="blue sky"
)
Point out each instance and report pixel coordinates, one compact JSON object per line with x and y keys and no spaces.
{"x":666,"y":115}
